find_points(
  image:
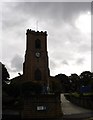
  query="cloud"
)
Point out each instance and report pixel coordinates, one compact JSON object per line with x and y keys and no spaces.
{"x":17,"y":63}
{"x":80,"y":61}
{"x":84,"y":48}
{"x":43,"y":11}
{"x":66,"y":43}
{"x":52,"y":64}
{"x":65,"y":62}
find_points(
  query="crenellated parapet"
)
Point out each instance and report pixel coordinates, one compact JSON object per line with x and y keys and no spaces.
{"x":29,"y":31}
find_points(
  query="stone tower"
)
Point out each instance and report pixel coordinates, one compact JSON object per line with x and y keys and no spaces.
{"x":36,"y":57}
{"x":43,"y":104}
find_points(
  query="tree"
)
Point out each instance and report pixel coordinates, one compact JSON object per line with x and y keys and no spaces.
{"x":85,"y":78}
{"x":5,"y":78}
{"x":6,"y":99}
{"x":74,"y":82}
{"x":86,"y":81}
{"x":56,"y":86}
{"x":5,"y":74}
{"x":64,"y":80}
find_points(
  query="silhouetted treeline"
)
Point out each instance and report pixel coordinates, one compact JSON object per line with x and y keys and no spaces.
{"x":60,"y":83}
{"x":82,"y":83}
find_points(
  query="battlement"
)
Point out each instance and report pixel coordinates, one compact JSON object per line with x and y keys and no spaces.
{"x":29,"y":31}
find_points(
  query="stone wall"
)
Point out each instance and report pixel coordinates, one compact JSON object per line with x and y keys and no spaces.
{"x":83,"y":101}
{"x":42,"y":106}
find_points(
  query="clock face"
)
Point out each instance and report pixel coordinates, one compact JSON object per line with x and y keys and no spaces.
{"x":37,"y":54}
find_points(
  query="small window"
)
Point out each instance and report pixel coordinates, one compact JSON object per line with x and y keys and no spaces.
{"x":37,"y":44}
{"x":37,"y":75}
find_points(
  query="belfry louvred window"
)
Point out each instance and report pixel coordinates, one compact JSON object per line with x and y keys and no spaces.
{"x":37,"y":44}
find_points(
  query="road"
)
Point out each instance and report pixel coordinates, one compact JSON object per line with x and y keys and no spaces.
{"x":74,"y":112}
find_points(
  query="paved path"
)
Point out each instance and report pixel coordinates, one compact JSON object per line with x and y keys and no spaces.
{"x":70,"y":110}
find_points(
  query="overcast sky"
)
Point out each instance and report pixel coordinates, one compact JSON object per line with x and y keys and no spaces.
{"x":69,"y":34}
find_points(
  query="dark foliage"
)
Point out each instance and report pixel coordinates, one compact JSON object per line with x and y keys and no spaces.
{"x":31,"y":88}
{"x":74,"y":82}
{"x":5,"y":74}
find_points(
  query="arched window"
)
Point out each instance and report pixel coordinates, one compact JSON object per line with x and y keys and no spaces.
{"x":38,"y":75}
{"x":37,"y":44}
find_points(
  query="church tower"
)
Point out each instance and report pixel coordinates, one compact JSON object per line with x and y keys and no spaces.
{"x":36,"y":57}
{"x":43,"y":104}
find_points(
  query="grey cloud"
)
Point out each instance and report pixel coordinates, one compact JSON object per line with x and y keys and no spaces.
{"x":17,"y":63}
{"x":54,"y":9}
{"x":62,"y":54}
{"x":80,"y":61}
{"x":52,"y":64}
{"x":72,"y":9}
{"x":54,"y":16}
{"x":57,"y":12}
{"x":12,"y":19}
{"x":65,"y":62}
{"x":84,"y":48}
